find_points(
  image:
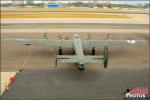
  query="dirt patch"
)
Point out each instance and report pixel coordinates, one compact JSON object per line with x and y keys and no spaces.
{"x":64,"y":9}
{"x":62,"y":15}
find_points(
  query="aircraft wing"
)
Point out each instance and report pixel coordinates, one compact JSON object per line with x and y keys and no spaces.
{"x":69,"y":43}
{"x":43,"y":42}
{"x":102,"y":43}
{"x":75,"y":59}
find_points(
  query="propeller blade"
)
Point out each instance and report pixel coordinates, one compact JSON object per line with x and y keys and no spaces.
{"x":45,"y":35}
{"x":59,"y":36}
{"x":108,"y":36}
{"x":89,"y":36}
{"x":67,"y":37}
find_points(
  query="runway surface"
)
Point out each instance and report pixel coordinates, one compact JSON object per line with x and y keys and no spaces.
{"x":72,"y":84}
{"x":70,"y":11}
{"x":76,"y":25}
{"x":76,"y":31}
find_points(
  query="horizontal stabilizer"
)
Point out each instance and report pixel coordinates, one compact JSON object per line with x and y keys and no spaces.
{"x":93,"y":59}
{"x":67,"y":59}
{"x":75,"y":59}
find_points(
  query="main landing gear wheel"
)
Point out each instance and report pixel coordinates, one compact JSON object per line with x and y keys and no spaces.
{"x":60,"y":51}
{"x":57,"y":52}
{"x":93,"y":51}
{"x":106,"y":57}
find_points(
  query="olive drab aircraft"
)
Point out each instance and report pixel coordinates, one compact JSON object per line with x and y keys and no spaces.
{"x":78,"y":45}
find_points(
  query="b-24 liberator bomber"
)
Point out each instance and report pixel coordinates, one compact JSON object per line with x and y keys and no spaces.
{"x":78,"y":45}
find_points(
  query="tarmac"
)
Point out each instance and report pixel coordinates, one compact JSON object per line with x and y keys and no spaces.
{"x":72,"y":84}
{"x":76,"y":25}
{"x":75,"y":31}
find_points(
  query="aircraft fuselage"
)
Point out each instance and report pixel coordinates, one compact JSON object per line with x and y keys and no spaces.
{"x":79,"y":52}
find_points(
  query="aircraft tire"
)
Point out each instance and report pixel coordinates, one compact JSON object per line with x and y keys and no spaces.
{"x":106,"y":57}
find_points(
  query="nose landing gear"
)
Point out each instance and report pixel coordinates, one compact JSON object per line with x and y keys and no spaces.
{"x":81,"y":69}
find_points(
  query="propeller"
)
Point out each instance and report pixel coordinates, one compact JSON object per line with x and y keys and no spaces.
{"x":89,"y":36}
{"x":60,"y":36}
{"x":67,"y":37}
{"x":108,"y":36}
{"x":106,"y":57}
{"x":45,"y":35}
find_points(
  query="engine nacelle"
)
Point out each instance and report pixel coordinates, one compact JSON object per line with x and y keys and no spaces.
{"x":81,"y":69}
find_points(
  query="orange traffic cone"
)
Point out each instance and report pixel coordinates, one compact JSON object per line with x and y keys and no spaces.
{"x":11,"y":79}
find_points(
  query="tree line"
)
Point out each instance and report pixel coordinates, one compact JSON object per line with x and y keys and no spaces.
{"x":81,"y":4}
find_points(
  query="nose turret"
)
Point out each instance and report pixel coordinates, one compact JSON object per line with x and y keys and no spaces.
{"x":81,"y":65}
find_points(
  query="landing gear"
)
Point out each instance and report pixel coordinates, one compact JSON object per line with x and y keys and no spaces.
{"x":106,"y":57}
{"x":60,"y":51}
{"x":93,"y":51}
{"x":81,"y":66}
{"x":81,"y":69}
{"x":27,"y":44}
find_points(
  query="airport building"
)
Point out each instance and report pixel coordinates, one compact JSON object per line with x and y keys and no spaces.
{"x":25,"y":1}
{"x":45,"y":1}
